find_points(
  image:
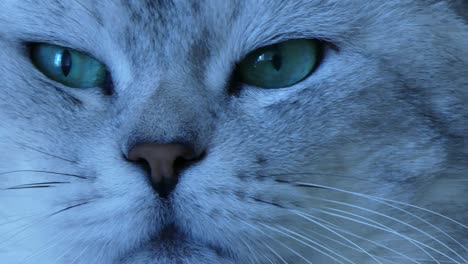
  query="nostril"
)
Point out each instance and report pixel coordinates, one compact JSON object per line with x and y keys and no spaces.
{"x":144,"y":165}
{"x":181,"y":164}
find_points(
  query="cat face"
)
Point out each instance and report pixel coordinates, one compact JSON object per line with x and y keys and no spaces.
{"x":359,"y":161}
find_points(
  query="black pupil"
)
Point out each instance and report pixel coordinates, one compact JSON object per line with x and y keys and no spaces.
{"x":66,"y":62}
{"x":277,"y":61}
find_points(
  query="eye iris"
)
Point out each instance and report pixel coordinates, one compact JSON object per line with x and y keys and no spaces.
{"x":66,"y":62}
{"x":280,"y":65}
{"x":69,"y":67}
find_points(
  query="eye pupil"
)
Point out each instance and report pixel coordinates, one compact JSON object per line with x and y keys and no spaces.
{"x":277,"y":61}
{"x":66,"y":62}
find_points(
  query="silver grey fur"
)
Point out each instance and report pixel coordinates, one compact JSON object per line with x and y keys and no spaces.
{"x":384,"y":115}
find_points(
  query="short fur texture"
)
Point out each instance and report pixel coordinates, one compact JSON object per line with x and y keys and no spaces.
{"x":365,"y":161}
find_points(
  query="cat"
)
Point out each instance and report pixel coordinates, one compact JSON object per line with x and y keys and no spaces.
{"x":208,"y":131}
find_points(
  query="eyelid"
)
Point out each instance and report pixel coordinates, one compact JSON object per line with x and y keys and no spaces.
{"x":325,"y":44}
{"x":28,"y":44}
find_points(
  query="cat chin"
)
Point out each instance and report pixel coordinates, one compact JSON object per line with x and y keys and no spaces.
{"x":171,"y":245}
{"x":176,"y":250}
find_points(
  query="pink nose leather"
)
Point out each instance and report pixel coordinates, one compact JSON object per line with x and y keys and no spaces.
{"x":161,"y":159}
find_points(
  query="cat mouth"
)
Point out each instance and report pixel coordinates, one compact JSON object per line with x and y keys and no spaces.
{"x":171,"y":234}
{"x":173,"y":238}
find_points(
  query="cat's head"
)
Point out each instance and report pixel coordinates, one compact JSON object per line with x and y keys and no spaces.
{"x":292,"y":131}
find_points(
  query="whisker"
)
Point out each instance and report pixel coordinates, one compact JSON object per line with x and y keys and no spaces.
{"x":266,"y":202}
{"x":276,"y":240}
{"x":269,"y":259}
{"x":254,"y":253}
{"x":423,"y":220}
{"x":357,"y":216}
{"x":394,"y":219}
{"x":383,"y":201}
{"x":40,"y":183}
{"x":319,"y":174}
{"x":289,"y":236}
{"x":276,"y":253}
{"x":35,"y":185}
{"x":351,"y":247}
{"x":377,"y":225}
{"x":47,"y":172}
{"x":15,"y":220}
{"x":70,"y":248}
{"x":412,"y":241}
{"x":51,"y":243}
{"x":69,"y":208}
{"x":304,"y":184}
{"x":309,"y":217}
{"x":24,"y":227}
{"x":78,"y":256}
{"x":316,"y":243}
{"x":42,"y":219}
{"x":29,"y":187}
{"x":289,"y":182}
{"x":394,"y":232}
{"x":100,"y":253}
{"x":419,"y":260}
{"x":419,"y":230}
{"x":45,"y":153}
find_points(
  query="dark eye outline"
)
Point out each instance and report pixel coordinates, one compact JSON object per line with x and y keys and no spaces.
{"x":235,"y":86}
{"x":107,"y":88}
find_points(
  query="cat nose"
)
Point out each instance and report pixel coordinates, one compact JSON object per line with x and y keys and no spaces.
{"x":165,"y":162}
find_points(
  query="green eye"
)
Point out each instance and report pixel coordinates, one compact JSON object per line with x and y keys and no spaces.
{"x":69,"y":67}
{"x":280,"y":65}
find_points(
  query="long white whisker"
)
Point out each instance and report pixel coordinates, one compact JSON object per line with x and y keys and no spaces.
{"x":24,"y":228}
{"x":417,"y":217}
{"x":309,"y":217}
{"x":411,"y":240}
{"x":318,"y":244}
{"x":427,"y":222}
{"x":289,"y":236}
{"x":267,"y":258}
{"x":408,"y":238}
{"x":276,"y":254}
{"x":254,"y":253}
{"x":56,"y":241}
{"x":71,"y":247}
{"x":101,"y":250}
{"x":12,"y":221}
{"x":266,"y":245}
{"x":357,"y":249}
{"x":381,"y":199}
{"x":357,"y":216}
{"x":385,"y":228}
{"x":77,"y":257}
{"x":396,"y":220}
{"x":276,"y":240}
